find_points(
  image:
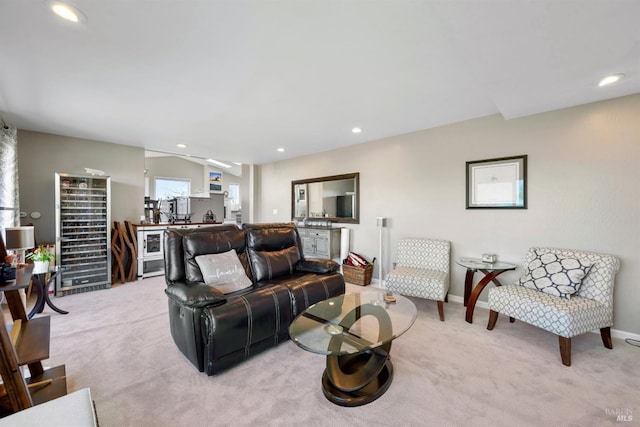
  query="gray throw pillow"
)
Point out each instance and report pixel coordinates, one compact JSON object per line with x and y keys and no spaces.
{"x":555,"y":274}
{"x":223,"y":271}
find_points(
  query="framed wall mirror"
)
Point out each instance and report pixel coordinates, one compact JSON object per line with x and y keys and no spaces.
{"x":333,"y":198}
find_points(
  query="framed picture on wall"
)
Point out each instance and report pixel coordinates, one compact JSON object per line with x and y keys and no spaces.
{"x":215,"y":182}
{"x":499,"y":183}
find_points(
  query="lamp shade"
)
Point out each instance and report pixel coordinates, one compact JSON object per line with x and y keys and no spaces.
{"x":19,"y":238}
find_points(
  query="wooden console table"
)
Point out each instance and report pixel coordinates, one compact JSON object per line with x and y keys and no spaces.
{"x":26,"y":344}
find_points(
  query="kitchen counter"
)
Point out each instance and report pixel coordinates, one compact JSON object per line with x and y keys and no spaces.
{"x":177,"y":224}
{"x":150,"y":246}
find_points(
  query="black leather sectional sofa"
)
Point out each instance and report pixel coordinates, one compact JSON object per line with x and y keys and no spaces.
{"x":215,"y":331}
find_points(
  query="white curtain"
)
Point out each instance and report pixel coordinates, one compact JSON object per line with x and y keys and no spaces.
{"x":9,"y":198}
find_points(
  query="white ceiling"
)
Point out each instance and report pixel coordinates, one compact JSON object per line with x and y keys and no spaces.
{"x":236,"y":79}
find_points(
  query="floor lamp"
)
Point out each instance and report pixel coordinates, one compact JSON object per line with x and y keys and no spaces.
{"x":382,"y":222}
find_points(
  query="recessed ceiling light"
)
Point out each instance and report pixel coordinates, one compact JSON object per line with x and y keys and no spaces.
{"x":237,"y":163}
{"x":610,"y":79}
{"x":356,"y":130}
{"x":215,"y":162}
{"x":281,"y":150}
{"x":67,"y":11}
{"x":181,"y":146}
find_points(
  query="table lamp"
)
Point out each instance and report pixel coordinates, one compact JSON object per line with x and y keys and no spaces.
{"x":19,"y":239}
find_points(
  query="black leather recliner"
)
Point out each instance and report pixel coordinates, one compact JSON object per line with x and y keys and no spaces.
{"x":216,"y":331}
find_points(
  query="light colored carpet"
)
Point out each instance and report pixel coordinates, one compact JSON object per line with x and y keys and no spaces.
{"x":117,"y":342}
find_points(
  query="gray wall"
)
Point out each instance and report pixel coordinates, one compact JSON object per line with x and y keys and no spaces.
{"x":583,"y":190}
{"x":583,"y":187}
{"x":41,"y":155}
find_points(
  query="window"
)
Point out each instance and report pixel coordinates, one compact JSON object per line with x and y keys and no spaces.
{"x":234,"y":195}
{"x":168,"y":188}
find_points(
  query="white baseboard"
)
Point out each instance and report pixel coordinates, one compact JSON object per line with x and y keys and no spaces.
{"x":615,"y":333}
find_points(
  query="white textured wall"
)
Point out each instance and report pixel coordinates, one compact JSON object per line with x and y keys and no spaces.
{"x":583,"y":183}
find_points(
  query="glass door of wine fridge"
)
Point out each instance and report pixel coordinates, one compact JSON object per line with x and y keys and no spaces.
{"x":83,"y":233}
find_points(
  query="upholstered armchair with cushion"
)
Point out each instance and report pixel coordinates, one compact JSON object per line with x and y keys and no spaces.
{"x":422,"y":270}
{"x":566,"y":292}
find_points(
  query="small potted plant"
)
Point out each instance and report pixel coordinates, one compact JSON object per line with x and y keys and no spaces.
{"x":41,"y":258}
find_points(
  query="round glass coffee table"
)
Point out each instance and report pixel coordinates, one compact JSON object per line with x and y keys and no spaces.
{"x":355,"y":332}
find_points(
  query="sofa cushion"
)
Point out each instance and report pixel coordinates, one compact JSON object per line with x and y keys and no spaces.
{"x":317,"y":265}
{"x":555,"y":274}
{"x":273,"y":250}
{"x":195,"y":295}
{"x":223,"y":271}
{"x":204,"y":243}
{"x":419,"y":282}
{"x":174,"y":269}
{"x":244,"y":326}
{"x":562,"y":316}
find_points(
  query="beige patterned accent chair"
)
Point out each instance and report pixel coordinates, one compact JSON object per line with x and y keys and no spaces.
{"x":566,"y":292}
{"x":422,"y":270}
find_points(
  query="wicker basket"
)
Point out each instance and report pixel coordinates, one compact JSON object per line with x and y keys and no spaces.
{"x":357,"y":275}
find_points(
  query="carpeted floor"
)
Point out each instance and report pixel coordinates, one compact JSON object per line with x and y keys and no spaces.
{"x":117,"y":342}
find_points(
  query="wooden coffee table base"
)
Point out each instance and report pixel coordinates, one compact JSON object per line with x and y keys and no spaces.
{"x":358,"y":379}
{"x":354,"y":332}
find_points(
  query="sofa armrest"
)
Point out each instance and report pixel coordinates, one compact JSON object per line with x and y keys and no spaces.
{"x":320,"y":266}
{"x":195,"y":295}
